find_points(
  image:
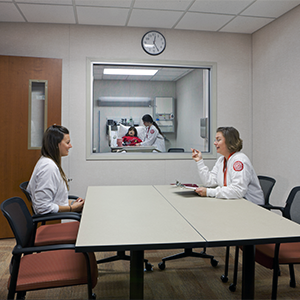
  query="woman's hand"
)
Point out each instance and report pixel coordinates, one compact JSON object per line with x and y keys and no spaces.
{"x":196,"y":154}
{"x":201,"y":191}
{"x":77,"y":205}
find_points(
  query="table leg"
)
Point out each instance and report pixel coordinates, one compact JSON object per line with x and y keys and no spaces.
{"x":248,"y":272}
{"x":137,"y":274}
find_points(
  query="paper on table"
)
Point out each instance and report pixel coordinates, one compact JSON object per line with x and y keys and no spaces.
{"x":186,"y":186}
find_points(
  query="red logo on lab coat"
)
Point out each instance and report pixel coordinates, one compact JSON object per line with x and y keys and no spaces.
{"x":238,"y":166}
{"x":152,"y":131}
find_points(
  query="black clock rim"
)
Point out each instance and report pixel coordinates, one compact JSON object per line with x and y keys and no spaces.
{"x":153,"y":54}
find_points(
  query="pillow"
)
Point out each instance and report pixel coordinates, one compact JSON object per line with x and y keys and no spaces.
{"x":141,"y":131}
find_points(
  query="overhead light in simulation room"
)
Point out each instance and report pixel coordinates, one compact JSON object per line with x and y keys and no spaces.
{"x":139,"y":72}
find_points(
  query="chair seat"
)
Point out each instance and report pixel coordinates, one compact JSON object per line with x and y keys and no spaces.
{"x":61,"y":233}
{"x":288,"y":253}
{"x":54,"y":269}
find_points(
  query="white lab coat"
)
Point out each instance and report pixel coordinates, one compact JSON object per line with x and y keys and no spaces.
{"x":47,"y":188}
{"x":242,"y":181}
{"x":154,"y":138}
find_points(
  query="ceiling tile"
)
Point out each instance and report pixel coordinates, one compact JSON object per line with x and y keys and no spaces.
{"x":62,"y":2}
{"x":181,"y":5}
{"x":105,"y":3}
{"x":246,"y":24}
{"x":153,"y":18}
{"x":9,"y":13}
{"x":102,"y":16}
{"x":38,"y":13}
{"x":262,"y":8}
{"x":220,"y":6}
{"x":201,"y":21}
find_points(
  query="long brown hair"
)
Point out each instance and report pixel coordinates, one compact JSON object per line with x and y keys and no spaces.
{"x":148,"y":118}
{"x":52,"y":137}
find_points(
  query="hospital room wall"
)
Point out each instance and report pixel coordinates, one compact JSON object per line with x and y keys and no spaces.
{"x":127,"y":89}
{"x":190,"y":107}
{"x":276,"y":105}
{"x":73,"y":44}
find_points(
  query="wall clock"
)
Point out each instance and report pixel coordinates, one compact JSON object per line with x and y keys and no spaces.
{"x":153,"y":42}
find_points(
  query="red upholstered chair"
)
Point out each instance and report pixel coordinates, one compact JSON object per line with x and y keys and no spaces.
{"x":60,"y":233}
{"x":43,"y":267}
{"x":273,"y":255}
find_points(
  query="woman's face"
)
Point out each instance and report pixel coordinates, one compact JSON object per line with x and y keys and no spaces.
{"x":147,"y":124}
{"x":220,"y":144}
{"x":65,"y":145}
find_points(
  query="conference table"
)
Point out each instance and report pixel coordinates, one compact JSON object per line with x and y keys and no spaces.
{"x":148,"y":217}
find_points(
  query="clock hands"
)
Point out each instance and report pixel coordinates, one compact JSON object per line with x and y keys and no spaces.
{"x":154,"y":43}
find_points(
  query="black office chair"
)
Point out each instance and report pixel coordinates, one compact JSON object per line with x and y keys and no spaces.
{"x":51,"y":266}
{"x":273,"y":255}
{"x":175,"y":150}
{"x":267,"y":184}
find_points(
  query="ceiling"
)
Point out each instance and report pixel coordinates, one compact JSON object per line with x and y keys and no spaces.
{"x":234,"y":16}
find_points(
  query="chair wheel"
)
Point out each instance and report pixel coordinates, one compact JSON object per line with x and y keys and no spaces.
{"x":214,"y":262}
{"x":224,"y":278}
{"x":162,"y":265}
{"x":148,"y":267}
{"x":232,"y":287}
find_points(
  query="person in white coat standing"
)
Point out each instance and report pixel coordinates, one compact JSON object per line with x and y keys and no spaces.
{"x":233,"y":176}
{"x":154,"y":136}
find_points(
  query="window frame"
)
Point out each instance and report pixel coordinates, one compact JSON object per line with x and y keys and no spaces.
{"x":212,"y":66}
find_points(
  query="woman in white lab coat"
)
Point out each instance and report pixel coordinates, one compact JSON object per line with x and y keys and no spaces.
{"x":154,"y":136}
{"x":233,"y":176}
{"x":48,"y":185}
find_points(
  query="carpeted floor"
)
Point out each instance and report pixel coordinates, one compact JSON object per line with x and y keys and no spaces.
{"x":188,"y":278}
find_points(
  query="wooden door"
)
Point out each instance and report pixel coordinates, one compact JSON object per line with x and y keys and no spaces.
{"x":17,"y":161}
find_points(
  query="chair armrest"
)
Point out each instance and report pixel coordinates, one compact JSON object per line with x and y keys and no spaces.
{"x":28,"y":250}
{"x":56,"y":216}
{"x":270,"y":206}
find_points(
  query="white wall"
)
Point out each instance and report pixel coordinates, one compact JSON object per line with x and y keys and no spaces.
{"x":276,"y":105}
{"x":231,"y":52}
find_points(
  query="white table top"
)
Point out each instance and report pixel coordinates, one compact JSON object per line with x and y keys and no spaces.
{"x":128,"y":216}
{"x":161,"y":217}
{"x":237,"y":220}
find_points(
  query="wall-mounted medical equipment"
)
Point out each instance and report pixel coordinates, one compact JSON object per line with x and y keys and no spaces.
{"x":164,"y":108}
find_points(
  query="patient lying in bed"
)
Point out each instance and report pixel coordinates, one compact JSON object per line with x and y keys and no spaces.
{"x":131,"y":138}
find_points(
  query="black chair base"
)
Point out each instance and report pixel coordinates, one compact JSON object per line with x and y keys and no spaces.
{"x":188,"y":252}
{"x":122,"y":256}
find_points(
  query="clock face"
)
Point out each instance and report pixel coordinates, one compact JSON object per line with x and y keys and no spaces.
{"x":153,"y":42}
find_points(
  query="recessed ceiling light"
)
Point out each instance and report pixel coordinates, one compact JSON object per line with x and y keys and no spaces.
{"x":140,"y":72}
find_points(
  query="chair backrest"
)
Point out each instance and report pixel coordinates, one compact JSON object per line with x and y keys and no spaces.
{"x":292,"y":207}
{"x":19,"y":218}
{"x":175,"y":150}
{"x":23,"y":187}
{"x":267,"y":184}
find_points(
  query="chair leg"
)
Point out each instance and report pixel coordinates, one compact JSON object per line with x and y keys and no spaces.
{"x":188,"y":252}
{"x":292,"y":276}
{"x":224,"y":277}
{"x":122,"y":256}
{"x":232,"y":287}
